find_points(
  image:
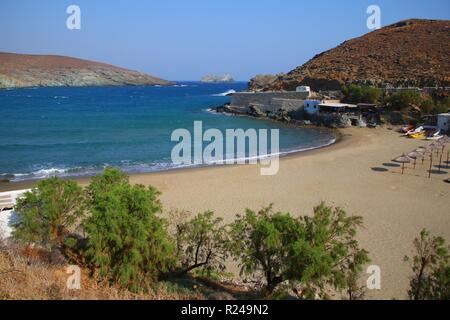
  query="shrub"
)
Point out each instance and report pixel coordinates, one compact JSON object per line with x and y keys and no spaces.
{"x":101,"y":184}
{"x":361,"y":94}
{"x":443,"y":106}
{"x":46,"y":213}
{"x":336,"y":258}
{"x":431,"y":269}
{"x":201,"y":244}
{"x":403,"y":99}
{"x":314,"y":252}
{"x":127,"y":242}
{"x":427,"y":106}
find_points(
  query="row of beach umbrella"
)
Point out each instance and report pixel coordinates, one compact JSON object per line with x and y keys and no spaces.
{"x":421,"y":153}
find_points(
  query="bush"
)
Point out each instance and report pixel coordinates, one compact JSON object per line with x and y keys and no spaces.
{"x":46,"y":213}
{"x":361,"y":94}
{"x":201,"y":244}
{"x":427,"y":106}
{"x":314,"y":252}
{"x":443,"y":106}
{"x":431,"y":269}
{"x":336,"y":258}
{"x":403,"y":99}
{"x":127,"y":242}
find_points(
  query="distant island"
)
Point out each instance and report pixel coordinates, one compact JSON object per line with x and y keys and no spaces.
{"x":211,"y":78}
{"x":22,"y":70}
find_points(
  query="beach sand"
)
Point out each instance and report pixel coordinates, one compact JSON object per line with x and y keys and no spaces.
{"x":351,"y":174}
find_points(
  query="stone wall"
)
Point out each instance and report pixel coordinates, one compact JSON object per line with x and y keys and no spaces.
{"x":269,"y":101}
{"x":287,"y":104}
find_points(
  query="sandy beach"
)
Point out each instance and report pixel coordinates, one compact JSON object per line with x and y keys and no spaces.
{"x":355,"y":174}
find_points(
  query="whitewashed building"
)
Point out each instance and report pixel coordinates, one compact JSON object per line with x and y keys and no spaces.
{"x":304,"y":89}
{"x":443,"y":121}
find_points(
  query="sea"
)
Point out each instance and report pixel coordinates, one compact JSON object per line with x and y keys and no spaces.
{"x":67,"y":131}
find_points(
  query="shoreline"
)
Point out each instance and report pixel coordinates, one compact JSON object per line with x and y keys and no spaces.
{"x":84,"y":179}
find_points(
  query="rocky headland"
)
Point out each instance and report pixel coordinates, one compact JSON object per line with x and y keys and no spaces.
{"x":22,"y":70}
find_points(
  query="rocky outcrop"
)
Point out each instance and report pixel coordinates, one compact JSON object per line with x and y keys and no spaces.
{"x":262,"y":81}
{"x":19,"y":70}
{"x":211,"y":78}
{"x":408,"y":53}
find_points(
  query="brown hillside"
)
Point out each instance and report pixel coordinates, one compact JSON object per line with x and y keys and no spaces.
{"x":408,"y":53}
{"x":20,"y":70}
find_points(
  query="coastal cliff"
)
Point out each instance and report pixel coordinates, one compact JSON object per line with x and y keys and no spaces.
{"x":408,"y":53}
{"x":20,"y":70}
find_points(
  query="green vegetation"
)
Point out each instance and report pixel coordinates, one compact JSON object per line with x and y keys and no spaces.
{"x":316,"y":252}
{"x":48,"y":212}
{"x":398,"y":101}
{"x":115,"y":229}
{"x":403,"y":99}
{"x":201,"y":244}
{"x":431,"y":269}
{"x":127,"y":242}
{"x":361,"y":94}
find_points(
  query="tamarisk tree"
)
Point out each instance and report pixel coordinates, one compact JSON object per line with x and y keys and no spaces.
{"x":48,"y":211}
{"x":317,"y":252}
{"x":127,"y":241}
{"x":201,"y":244}
{"x":431,"y":269}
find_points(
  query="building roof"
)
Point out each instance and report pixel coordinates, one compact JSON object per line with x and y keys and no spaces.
{"x":337,"y":105}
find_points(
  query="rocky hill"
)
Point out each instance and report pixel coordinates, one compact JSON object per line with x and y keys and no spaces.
{"x":407,"y":53}
{"x":20,"y":70}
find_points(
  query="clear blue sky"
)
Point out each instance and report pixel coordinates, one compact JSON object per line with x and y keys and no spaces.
{"x":184,"y":40}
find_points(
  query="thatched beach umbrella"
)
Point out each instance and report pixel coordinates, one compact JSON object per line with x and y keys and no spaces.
{"x":431,"y":165}
{"x":448,"y":154}
{"x":402,"y":159}
{"x":424,"y":151}
{"x":415,"y":155}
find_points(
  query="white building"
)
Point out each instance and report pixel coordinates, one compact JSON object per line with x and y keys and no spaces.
{"x":303,"y":89}
{"x":443,"y":122}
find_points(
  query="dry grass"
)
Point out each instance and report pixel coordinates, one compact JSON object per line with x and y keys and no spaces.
{"x":28,"y":274}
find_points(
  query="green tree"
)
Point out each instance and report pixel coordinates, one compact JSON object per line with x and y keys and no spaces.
{"x":336,"y":258}
{"x":127,"y":241}
{"x":403,"y":99}
{"x":201,"y":244}
{"x":443,"y":106}
{"x":261,"y":242}
{"x":361,"y":94}
{"x":427,"y":106}
{"x":316,"y":251}
{"x":431,"y":269}
{"x":48,"y":211}
{"x":101,"y":184}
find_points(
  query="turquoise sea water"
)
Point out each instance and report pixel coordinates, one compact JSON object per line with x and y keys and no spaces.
{"x":79,"y":131}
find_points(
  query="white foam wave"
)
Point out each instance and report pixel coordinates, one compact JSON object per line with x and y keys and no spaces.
{"x":224,"y":94}
{"x":129,"y":167}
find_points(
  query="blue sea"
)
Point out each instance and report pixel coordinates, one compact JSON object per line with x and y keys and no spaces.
{"x":80,"y":131}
